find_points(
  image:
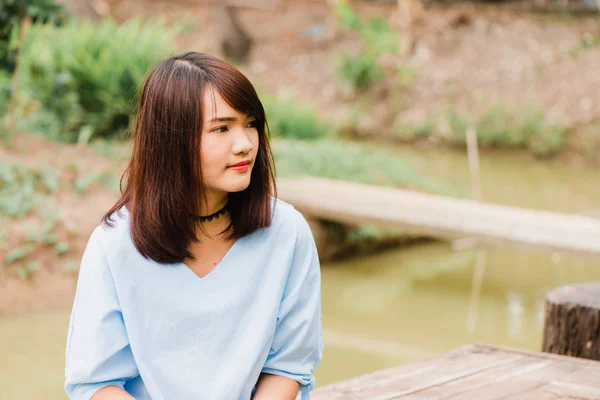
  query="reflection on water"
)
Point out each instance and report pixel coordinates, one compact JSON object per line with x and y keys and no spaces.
{"x":395,"y":307}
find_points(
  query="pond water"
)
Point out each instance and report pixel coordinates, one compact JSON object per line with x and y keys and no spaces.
{"x":398,"y":306}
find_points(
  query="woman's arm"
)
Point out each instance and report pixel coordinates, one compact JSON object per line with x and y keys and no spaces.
{"x":111,"y":393}
{"x":98,"y":352}
{"x":297,"y":344}
{"x":275,"y":387}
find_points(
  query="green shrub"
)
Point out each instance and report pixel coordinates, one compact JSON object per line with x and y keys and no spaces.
{"x":359,"y":71}
{"x":336,"y":159}
{"x":85,"y":76}
{"x":22,"y":188}
{"x":5,"y":90}
{"x":499,"y":127}
{"x":12,"y":15}
{"x":291,"y":119}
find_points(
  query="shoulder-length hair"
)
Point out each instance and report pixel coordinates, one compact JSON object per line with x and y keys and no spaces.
{"x":162,"y":184}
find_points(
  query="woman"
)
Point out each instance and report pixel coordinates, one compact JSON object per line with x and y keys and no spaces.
{"x":198,"y":284}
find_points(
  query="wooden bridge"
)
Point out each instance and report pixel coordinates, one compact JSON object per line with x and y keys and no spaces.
{"x":441,"y":217}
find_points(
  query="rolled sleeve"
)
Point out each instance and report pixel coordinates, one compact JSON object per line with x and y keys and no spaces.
{"x":297,"y":345}
{"x":98,"y":353}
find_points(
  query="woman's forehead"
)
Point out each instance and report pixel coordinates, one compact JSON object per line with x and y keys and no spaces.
{"x":215,"y":106}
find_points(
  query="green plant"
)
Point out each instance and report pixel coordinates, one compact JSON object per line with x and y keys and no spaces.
{"x":5,"y":89}
{"x":85,"y":76}
{"x":414,"y":131}
{"x":69,"y":267}
{"x":25,"y":271}
{"x":336,"y":159}
{"x":291,"y":119}
{"x":12,"y":15}
{"x":21,"y":189}
{"x":84,"y":182}
{"x":19,"y":253}
{"x":3,"y":239}
{"x":62,"y":248}
{"x":498,"y":126}
{"x":359,"y":71}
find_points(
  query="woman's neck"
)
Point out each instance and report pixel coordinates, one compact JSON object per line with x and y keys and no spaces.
{"x":213,"y":203}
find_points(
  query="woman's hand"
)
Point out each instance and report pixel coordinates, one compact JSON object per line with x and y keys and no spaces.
{"x":111,"y":393}
{"x":275,"y":387}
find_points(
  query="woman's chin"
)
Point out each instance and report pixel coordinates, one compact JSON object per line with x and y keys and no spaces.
{"x":239,"y":185}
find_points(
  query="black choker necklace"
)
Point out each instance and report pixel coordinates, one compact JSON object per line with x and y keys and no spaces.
{"x":215,"y":215}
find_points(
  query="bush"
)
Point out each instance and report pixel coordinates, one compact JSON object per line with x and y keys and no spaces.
{"x":12,"y":14}
{"x":291,"y":119}
{"x":499,"y":126}
{"x":85,"y":76}
{"x":23,"y":188}
{"x":359,"y":71}
{"x":4,"y":93}
{"x":336,"y":159}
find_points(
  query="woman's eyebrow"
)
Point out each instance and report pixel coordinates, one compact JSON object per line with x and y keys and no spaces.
{"x":226,"y":119}
{"x":223,"y":119}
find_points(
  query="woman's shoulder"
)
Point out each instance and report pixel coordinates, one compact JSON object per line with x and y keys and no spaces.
{"x":287,"y":216}
{"x":114,"y":233}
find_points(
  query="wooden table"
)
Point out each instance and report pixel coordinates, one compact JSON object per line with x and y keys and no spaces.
{"x":476,"y":372}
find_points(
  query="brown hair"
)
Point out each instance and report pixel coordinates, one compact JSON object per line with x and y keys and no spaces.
{"x":162,"y":184}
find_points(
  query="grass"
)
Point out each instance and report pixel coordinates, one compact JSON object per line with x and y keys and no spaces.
{"x":291,"y":119}
{"x":497,"y":127}
{"x":341,"y":160}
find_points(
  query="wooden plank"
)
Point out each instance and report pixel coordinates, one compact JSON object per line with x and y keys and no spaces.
{"x":572,"y":390}
{"x":479,"y":372}
{"x":392,"y":383}
{"x":492,"y":383}
{"x":523,"y":377}
{"x":440,"y":216}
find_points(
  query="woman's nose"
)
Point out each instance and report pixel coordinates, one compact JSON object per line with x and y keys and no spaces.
{"x":242,"y":143}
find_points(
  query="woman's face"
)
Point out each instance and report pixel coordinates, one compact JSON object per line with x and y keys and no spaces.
{"x":229,"y":146}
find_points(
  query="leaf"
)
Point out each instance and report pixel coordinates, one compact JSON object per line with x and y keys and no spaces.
{"x":50,"y":179}
{"x":62,"y":247}
{"x":69,"y":266}
{"x":22,"y":273}
{"x":33,"y":266}
{"x":19,"y":253}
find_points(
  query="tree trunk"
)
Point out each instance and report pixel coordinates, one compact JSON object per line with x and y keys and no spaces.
{"x":409,"y":12}
{"x":235,"y":42}
{"x":572,"y":324}
{"x":25,"y":22}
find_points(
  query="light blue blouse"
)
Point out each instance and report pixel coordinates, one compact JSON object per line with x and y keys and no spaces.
{"x":162,"y":333}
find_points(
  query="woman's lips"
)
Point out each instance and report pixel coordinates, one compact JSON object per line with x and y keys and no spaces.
{"x":241,"y":166}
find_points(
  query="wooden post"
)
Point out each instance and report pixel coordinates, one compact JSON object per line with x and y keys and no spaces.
{"x":481,"y":254}
{"x":572,"y":325}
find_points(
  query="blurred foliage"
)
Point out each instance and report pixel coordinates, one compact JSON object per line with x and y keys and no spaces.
{"x":5,"y":89}
{"x":499,"y":127}
{"x":29,"y":192}
{"x":23,"y":188}
{"x":359,"y":71}
{"x":83,"y":78}
{"x":336,"y":159}
{"x":291,"y":119}
{"x":12,"y":14}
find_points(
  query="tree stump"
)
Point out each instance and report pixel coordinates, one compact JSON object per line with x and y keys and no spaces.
{"x":572,"y":325}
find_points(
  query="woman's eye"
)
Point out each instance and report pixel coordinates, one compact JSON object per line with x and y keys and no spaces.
{"x":252,"y":124}
{"x":220,"y":129}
